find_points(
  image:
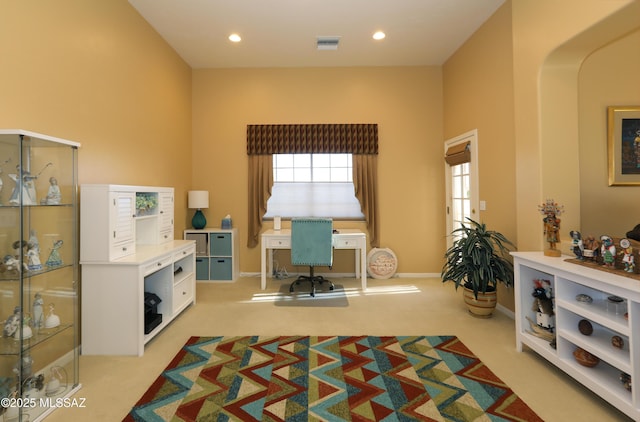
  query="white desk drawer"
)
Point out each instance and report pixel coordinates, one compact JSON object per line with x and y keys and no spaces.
{"x":345,"y":243}
{"x":160,"y":263}
{"x":182,"y":293}
{"x":122,"y":249}
{"x":279,"y":243}
{"x":184,"y":252}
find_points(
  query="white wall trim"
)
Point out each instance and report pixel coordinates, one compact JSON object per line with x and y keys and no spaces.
{"x":351,"y":275}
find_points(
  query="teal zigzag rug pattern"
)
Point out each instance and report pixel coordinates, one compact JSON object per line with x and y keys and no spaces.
{"x":307,"y":378}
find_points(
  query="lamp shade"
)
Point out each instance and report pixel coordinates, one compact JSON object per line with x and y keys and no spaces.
{"x":198,"y":199}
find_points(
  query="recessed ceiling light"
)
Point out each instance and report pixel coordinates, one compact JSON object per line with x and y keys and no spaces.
{"x":235,"y":38}
{"x":379,"y":35}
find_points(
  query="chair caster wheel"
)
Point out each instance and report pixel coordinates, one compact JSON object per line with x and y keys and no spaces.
{"x":290,"y":289}
{"x":330,"y":287}
{"x":313,"y":294}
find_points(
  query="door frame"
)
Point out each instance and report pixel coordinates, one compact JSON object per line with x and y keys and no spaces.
{"x":472,"y":138}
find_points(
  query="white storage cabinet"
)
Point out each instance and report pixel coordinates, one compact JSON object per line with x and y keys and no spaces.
{"x":216,"y":253}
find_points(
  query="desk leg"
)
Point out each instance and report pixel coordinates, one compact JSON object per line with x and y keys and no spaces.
{"x":363,"y":266}
{"x":263,"y":265}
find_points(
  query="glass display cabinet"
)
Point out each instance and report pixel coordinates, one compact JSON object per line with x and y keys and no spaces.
{"x":38,"y":273}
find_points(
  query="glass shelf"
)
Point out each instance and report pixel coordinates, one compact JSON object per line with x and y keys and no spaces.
{"x":11,"y":346}
{"x":31,"y":273}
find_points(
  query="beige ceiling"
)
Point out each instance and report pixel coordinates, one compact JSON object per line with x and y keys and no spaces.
{"x":283,"y":33}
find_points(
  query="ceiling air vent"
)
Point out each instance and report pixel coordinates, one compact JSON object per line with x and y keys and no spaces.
{"x":327,"y":43}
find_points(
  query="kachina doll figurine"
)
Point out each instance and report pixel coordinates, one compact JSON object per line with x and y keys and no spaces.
{"x":577,"y":247}
{"x":627,"y":255}
{"x":543,"y":304}
{"x":551,"y":211}
{"x":591,"y":248}
{"x":608,"y":251}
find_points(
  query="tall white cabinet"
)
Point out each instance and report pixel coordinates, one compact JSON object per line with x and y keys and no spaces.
{"x":135,"y":277}
{"x":595,"y":311}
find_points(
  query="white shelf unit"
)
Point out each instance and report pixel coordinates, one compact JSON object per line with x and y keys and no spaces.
{"x":568,"y":280}
{"x":116,"y":218}
{"x":217,"y":254}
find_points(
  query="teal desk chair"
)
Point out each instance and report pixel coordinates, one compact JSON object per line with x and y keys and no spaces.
{"x":312,"y":245}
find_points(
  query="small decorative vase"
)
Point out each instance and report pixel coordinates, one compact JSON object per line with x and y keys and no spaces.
{"x":198,"y":221}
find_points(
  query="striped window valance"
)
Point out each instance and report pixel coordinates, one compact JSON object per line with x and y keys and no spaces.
{"x":312,"y":138}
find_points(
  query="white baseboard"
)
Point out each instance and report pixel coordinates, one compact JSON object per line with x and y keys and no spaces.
{"x":352,"y":275}
{"x":508,"y":312}
{"x":417,"y":275}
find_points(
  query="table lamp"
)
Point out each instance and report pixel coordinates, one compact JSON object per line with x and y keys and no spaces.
{"x":198,"y":199}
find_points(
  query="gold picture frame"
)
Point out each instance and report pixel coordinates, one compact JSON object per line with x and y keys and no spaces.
{"x":623,"y":145}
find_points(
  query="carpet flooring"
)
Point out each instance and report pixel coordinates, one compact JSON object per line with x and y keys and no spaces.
{"x":335,"y":298}
{"x":307,"y":378}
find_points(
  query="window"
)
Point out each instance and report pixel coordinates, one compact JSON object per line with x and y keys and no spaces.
{"x":313,"y":185}
{"x":461,"y":169}
{"x":460,"y":195}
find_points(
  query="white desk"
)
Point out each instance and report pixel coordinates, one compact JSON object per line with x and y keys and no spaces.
{"x":345,"y":239}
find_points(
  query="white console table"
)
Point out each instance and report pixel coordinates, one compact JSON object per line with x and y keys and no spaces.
{"x":344,"y":239}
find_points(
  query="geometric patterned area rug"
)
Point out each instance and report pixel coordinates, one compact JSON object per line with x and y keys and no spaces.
{"x":315,"y":378}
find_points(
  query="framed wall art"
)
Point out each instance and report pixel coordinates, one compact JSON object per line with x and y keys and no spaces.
{"x":623,"y":145}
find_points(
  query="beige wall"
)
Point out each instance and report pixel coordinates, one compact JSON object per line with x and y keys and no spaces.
{"x":478,"y":94}
{"x":608,"y":77}
{"x":523,"y":63}
{"x":551,"y":39}
{"x":95,"y":72}
{"x":406,"y":103}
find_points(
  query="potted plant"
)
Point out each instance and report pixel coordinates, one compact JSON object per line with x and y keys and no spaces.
{"x":478,"y":260}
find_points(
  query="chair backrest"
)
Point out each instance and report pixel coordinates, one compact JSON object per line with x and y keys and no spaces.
{"x":312,"y":241}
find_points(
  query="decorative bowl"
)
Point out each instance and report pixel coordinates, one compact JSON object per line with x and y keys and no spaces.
{"x":584,"y":298}
{"x":615,"y":299}
{"x":585,"y":358}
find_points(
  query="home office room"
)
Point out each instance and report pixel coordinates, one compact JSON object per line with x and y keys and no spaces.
{"x":109,"y":104}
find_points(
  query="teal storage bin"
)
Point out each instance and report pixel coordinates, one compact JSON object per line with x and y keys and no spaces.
{"x":221,"y":244}
{"x":202,"y":268}
{"x":221,"y":269}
